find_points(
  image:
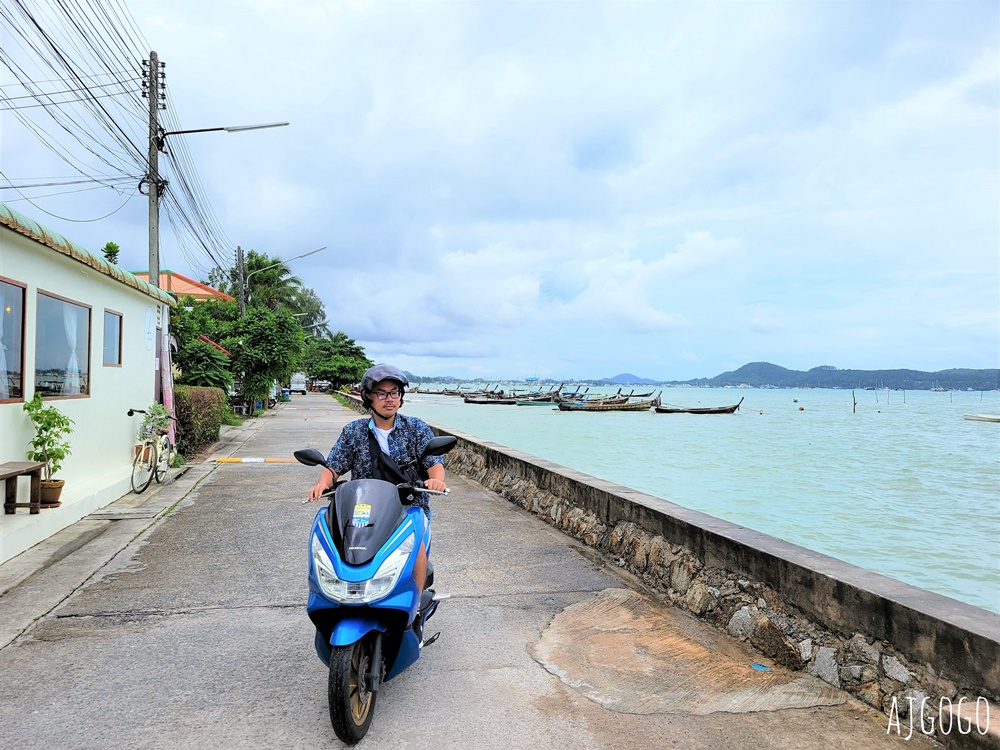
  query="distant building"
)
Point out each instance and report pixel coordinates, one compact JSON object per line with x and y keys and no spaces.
{"x":85,"y":334}
{"x":182,"y":286}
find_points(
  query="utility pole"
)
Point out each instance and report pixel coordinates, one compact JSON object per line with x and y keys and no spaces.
{"x":157,"y":101}
{"x":240,"y":282}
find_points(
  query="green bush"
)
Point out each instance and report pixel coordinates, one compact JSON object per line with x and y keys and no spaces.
{"x":204,"y":365}
{"x":200,"y":412}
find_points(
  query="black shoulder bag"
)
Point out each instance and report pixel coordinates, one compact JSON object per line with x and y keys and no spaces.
{"x":384,"y":466}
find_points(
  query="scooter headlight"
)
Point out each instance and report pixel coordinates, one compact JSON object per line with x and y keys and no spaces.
{"x":388,"y":572}
{"x":326,"y":577}
{"x":362,"y":591}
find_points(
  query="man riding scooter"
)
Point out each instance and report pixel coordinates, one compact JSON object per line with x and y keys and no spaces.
{"x":377,"y":447}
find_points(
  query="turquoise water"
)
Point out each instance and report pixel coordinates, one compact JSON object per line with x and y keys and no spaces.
{"x":905,"y":486}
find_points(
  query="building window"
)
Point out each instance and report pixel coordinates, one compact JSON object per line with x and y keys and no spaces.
{"x":62,"y":353}
{"x":112,"y":338}
{"x":11,"y":340}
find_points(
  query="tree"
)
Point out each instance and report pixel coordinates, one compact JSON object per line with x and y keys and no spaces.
{"x":212,"y":318}
{"x":336,"y":358}
{"x":266,"y":347}
{"x":270,"y":283}
{"x":110,"y":251}
{"x":201,"y":364}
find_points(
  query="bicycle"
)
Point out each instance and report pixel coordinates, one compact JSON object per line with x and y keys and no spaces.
{"x":154,"y":454}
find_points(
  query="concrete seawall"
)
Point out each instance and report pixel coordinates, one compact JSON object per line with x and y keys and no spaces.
{"x":881,"y":640}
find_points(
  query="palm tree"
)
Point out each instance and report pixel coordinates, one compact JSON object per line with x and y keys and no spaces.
{"x":269,"y":282}
{"x":311,"y":314}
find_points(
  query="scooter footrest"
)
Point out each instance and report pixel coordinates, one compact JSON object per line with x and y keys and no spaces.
{"x":431,"y":640}
{"x":441,"y":597}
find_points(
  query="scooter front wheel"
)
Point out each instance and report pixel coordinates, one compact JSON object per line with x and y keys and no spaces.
{"x":352,"y":704}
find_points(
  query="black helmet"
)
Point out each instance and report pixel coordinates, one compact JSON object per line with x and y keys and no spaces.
{"x":375,"y":375}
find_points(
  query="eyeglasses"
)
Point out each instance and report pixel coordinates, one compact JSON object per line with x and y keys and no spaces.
{"x":383,"y":395}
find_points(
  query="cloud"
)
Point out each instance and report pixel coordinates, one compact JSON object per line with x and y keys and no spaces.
{"x":579,"y":189}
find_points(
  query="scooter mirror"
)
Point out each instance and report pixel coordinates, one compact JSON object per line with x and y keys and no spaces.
{"x":310,"y":457}
{"x":440,"y":445}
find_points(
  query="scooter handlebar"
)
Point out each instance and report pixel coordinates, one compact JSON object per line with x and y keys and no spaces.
{"x":408,"y":486}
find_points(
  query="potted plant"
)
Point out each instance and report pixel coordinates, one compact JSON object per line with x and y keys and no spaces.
{"x":156,"y":418}
{"x":49,"y":445}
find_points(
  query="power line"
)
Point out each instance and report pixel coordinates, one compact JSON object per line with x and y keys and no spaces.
{"x":95,"y":120}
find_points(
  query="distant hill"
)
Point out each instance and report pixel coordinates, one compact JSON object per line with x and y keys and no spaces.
{"x":626,"y":378}
{"x":765,"y":374}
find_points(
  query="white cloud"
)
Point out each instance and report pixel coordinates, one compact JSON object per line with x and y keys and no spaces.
{"x":504,"y":184}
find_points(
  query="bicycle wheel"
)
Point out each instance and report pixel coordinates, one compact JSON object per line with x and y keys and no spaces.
{"x":142,"y":467}
{"x":163,"y":458}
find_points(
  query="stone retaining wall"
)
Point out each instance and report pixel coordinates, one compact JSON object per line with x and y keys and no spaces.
{"x":881,"y":640}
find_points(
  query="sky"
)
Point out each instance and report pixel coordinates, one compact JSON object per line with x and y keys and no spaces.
{"x":581,"y":189}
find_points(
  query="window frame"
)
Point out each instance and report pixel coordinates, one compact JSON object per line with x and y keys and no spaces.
{"x":121,"y":331}
{"x":24,"y":334}
{"x":90,"y":340}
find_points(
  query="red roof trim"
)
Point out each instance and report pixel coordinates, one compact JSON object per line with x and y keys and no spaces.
{"x":206,"y":287}
{"x":207,"y":340}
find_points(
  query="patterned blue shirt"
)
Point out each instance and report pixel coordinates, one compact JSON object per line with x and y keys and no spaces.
{"x":407,"y":438}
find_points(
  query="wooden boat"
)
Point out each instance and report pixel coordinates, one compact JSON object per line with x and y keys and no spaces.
{"x":497,"y":400}
{"x":612,"y":405}
{"x":540,"y":398}
{"x":699,"y":409}
{"x":983,"y":417}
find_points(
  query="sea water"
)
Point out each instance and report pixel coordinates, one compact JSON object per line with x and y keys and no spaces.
{"x":898,"y":483}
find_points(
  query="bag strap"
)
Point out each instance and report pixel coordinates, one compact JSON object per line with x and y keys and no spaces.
{"x":384,"y":466}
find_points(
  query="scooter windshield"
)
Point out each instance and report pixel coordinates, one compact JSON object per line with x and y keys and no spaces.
{"x":362,"y":517}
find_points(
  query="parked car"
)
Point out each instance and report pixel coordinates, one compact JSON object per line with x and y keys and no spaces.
{"x":298,"y":383}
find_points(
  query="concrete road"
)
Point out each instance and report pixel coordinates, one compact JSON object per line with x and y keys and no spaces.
{"x":177,"y":620}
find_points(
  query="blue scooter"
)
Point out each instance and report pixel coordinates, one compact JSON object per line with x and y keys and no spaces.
{"x":368,"y":614}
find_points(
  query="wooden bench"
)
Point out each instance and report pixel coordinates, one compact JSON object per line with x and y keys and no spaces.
{"x":9,"y":472}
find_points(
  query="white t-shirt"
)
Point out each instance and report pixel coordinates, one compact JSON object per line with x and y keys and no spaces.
{"x":383,"y":438}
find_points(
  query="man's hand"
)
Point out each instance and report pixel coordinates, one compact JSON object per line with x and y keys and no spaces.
{"x":435,"y":484}
{"x":317,"y":491}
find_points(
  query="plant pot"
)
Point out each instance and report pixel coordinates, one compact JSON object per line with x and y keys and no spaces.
{"x":50,"y":491}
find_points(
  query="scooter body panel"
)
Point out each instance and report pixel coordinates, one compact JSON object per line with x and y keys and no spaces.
{"x":341,"y":622}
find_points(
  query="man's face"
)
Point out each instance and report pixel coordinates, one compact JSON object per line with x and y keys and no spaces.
{"x":385,"y":397}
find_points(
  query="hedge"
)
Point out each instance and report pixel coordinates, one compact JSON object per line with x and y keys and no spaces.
{"x":199,"y":413}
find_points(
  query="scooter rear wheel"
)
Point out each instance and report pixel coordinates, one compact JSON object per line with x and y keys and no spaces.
{"x":352,"y":704}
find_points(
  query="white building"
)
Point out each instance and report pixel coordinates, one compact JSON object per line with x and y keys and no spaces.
{"x":85,"y":333}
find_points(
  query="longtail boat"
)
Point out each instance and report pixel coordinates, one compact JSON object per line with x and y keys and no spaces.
{"x":539,"y":398}
{"x":611,"y":405}
{"x":699,"y":409}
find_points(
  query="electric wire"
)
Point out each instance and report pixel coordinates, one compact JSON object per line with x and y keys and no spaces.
{"x":92,"y":48}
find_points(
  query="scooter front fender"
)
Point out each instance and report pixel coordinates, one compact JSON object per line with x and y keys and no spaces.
{"x":353,"y":629}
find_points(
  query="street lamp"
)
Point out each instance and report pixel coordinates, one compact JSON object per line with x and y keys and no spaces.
{"x":245,"y":283}
{"x":157,"y":143}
